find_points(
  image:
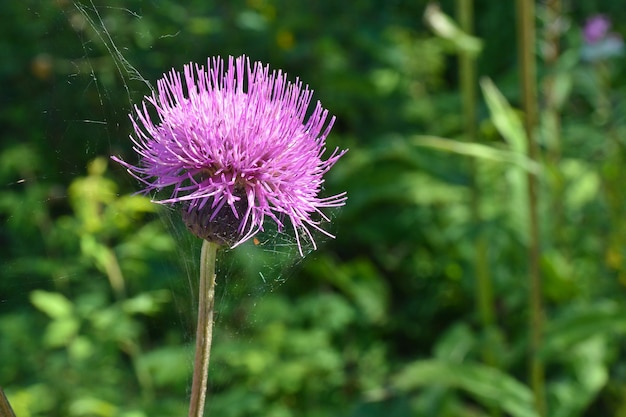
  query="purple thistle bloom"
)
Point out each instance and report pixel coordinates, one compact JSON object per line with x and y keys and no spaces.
{"x":235,"y":146}
{"x":599,"y":43}
{"x":596,"y":28}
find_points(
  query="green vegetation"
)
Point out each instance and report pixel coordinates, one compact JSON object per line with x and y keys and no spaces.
{"x":422,"y":305}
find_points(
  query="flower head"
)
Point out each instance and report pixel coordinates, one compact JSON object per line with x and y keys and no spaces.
{"x":599,"y":43}
{"x":596,"y":28}
{"x":236,"y":146}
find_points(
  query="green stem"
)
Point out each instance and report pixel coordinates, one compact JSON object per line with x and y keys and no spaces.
{"x":204,"y":330}
{"x":551,"y":115}
{"x":526,"y":46}
{"x":467,"y":69}
{"x":484,"y":289}
{"x":114,"y":273}
{"x":468,"y":84}
{"x":5,"y":407}
{"x":550,"y":91}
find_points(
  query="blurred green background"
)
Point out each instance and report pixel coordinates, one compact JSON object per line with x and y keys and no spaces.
{"x":419,"y":307}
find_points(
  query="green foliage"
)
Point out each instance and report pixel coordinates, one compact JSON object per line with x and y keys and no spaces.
{"x":489,"y":385}
{"x":97,"y":284}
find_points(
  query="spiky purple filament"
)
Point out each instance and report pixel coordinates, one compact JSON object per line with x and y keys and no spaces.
{"x":236,"y":133}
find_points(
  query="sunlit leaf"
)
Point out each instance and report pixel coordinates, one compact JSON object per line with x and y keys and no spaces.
{"x":61,"y":331}
{"x":55,"y":305}
{"x":504,"y":117}
{"x":600,"y":319}
{"x":446,"y":28}
{"x":489,"y":386}
{"x":583,"y":185}
{"x":587,"y":361}
{"x":90,"y":406}
{"x":146,"y":303}
{"x":36,"y":399}
{"x":478,"y":150}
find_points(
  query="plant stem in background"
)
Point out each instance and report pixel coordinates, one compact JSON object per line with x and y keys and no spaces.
{"x":551,"y":117}
{"x":552,"y":35}
{"x":114,"y":273}
{"x":5,"y":407}
{"x":204,"y":330}
{"x":468,"y":84}
{"x":528,"y":71}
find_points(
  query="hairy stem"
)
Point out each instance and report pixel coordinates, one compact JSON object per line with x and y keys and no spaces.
{"x":526,"y":46}
{"x":204,"y":330}
{"x":5,"y":407}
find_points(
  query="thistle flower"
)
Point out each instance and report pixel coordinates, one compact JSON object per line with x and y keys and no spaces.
{"x":599,"y":43}
{"x":596,"y":28}
{"x":236,"y":146}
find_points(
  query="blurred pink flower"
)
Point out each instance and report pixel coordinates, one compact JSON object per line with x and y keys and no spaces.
{"x":599,"y":43}
{"x":596,"y":28}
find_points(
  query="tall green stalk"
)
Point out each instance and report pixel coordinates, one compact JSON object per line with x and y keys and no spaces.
{"x":551,"y":114}
{"x":528,"y":74}
{"x":468,"y":84}
{"x":551,"y":42}
{"x":204,"y":329}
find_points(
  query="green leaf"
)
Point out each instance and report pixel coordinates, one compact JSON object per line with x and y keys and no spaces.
{"x":19,"y":159}
{"x":55,"y":305}
{"x":99,"y":253}
{"x":90,"y":406}
{"x":583,"y":183}
{"x":32,"y":400}
{"x":455,"y":344}
{"x":602,"y":319}
{"x":504,"y":117}
{"x":146,"y":303}
{"x":80,"y":348}
{"x":563,"y":82}
{"x":168,"y":366}
{"x":574,"y":393}
{"x":446,"y":28}
{"x":478,"y":150}
{"x":60,"y":332}
{"x":509,"y":125}
{"x":360,"y":281}
{"x":487,"y":385}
